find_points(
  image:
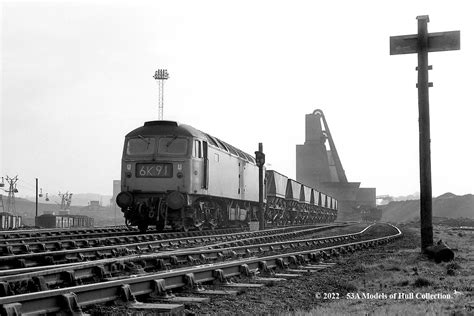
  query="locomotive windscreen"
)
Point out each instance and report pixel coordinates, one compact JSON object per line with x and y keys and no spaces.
{"x":141,"y":146}
{"x":172,"y":146}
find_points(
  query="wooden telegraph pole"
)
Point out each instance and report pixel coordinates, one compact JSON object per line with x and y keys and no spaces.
{"x":423,"y":43}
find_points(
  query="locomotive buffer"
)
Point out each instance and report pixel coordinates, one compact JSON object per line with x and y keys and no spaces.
{"x":423,"y":43}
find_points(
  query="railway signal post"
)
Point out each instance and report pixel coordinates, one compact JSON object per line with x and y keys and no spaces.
{"x":421,"y":44}
{"x":260,"y":158}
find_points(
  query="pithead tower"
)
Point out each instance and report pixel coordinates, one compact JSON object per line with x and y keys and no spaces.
{"x":318,"y":165}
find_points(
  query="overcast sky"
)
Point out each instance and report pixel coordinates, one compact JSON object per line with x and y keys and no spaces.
{"x":77,"y":76}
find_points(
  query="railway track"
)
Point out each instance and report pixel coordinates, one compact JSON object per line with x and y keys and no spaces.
{"x":14,"y":242}
{"x":88,"y":250}
{"x":112,"y":268}
{"x":72,"y":299}
{"x":51,"y":243}
{"x":53,"y":236}
{"x":55,"y":232}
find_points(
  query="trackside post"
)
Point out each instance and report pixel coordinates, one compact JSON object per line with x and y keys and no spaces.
{"x":260,"y":158}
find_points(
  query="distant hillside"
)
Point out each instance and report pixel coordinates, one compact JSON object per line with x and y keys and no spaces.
{"x":447,"y":205}
{"x":80,"y":199}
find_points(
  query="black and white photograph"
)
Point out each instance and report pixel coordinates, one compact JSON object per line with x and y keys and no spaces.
{"x":236,"y":157}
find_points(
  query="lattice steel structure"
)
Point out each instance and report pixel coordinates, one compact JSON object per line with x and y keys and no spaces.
{"x":160,"y":76}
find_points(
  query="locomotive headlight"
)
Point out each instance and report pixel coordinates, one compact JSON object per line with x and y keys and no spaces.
{"x":179,"y":175}
{"x":124,"y":199}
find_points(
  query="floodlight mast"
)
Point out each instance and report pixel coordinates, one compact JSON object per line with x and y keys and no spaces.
{"x":160,"y":76}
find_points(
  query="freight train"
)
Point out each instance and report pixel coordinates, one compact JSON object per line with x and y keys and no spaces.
{"x":175,"y":175}
{"x":63,"y":221}
{"x":9,"y":221}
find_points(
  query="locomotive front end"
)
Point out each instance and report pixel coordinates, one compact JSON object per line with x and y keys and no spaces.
{"x":155,"y":178}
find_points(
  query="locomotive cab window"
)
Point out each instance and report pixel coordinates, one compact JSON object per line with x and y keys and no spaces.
{"x":172,"y":145}
{"x":140,"y":146}
{"x":197,"y":150}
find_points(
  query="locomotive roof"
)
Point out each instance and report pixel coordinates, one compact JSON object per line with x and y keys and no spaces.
{"x":152,"y":128}
{"x":165,"y":128}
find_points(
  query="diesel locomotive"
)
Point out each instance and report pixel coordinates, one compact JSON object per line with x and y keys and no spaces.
{"x":176,"y":176}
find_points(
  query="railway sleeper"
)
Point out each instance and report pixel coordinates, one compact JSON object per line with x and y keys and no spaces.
{"x":219,"y":277}
{"x":5,"y":289}
{"x":41,"y":247}
{"x":190,"y":282}
{"x":58,"y":246}
{"x":159,"y":290}
{"x":315,"y":257}
{"x":249,"y":253}
{"x":134,"y":268}
{"x":100,"y":274}
{"x":204,"y":258}
{"x":26,"y":248}
{"x":160,"y":265}
{"x":293,"y":261}
{"x":130,"y":301}
{"x":264,"y":269}
{"x":116,"y":268}
{"x":7,"y":250}
{"x":245,"y":270}
{"x":141,"y":250}
{"x":281,"y":264}
{"x":20,"y":263}
{"x":71,"y":258}
{"x":72,"y":244}
{"x":69,"y":277}
{"x":174,"y":261}
{"x":192,"y":260}
{"x":37,"y":284}
{"x":12,"y":309}
{"x":126,"y":295}
{"x":83,"y":243}
{"x":302,"y":259}
{"x":100,"y":255}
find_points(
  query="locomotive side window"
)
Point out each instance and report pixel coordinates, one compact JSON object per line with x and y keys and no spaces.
{"x":211,"y":140}
{"x":221,"y":144}
{"x":172,"y":146}
{"x":249,"y":158}
{"x":241,"y":154}
{"x":197,"y":150}
{"x":141,"y":146}
{"x":232,"y":149}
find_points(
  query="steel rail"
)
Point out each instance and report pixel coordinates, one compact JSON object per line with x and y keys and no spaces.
{"x":72,"y":299}
{"x":23,"y":247}
{"x":76,"y":235}
{"x":108,"y":239}
{"x":44,"y":232}
{"x":25,"y":234}
{"x":72,"y":275}
{"x":38,"y":269}
{"x":94,"y":253}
